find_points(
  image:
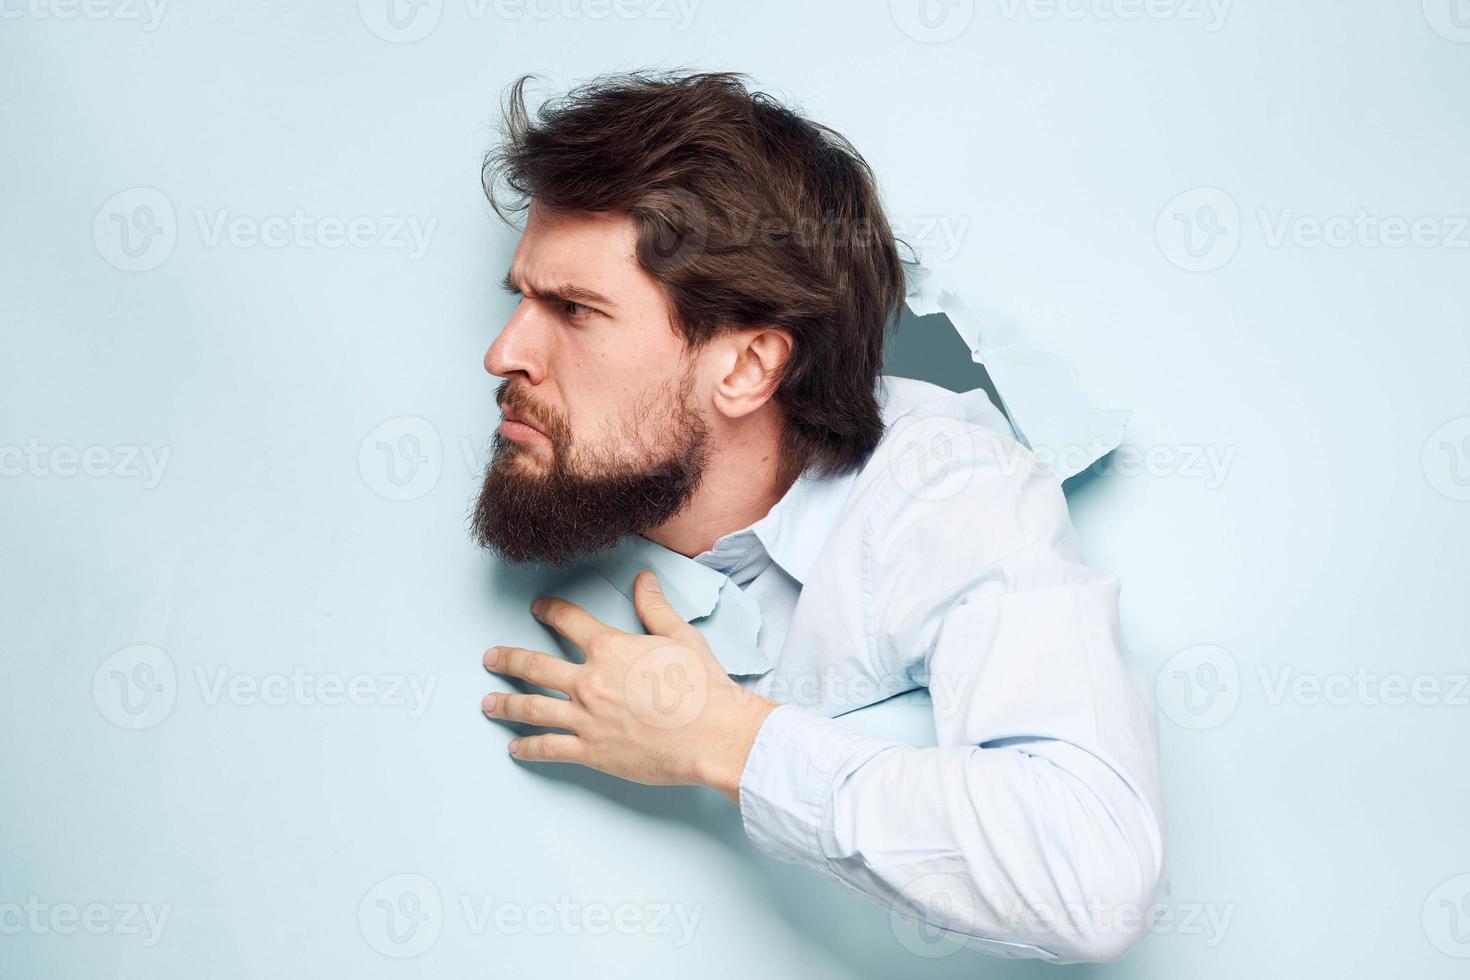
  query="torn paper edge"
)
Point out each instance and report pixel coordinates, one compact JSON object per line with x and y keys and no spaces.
{"x":1039,"y":391}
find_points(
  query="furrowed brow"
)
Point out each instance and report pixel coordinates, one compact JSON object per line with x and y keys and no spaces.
{"x":572,"y":293}
{"x":565,"y":293}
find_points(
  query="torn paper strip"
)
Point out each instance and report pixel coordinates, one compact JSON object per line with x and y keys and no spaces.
{"x":728,"y":618}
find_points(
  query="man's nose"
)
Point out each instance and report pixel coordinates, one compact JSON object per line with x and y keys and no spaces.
{"x":520,"y":348}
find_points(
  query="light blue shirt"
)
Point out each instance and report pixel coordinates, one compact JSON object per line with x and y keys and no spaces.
{"x":948,"y":562}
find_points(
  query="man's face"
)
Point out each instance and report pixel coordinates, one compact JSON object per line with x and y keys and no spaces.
{"x":602,"y":435}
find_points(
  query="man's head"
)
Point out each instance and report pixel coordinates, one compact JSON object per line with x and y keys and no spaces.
{"x":701,"y":271}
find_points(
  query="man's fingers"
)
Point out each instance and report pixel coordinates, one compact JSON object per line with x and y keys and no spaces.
{"x":654,"y":609}
{"x":548,"y":748}
{"x":571,"y":621}
{"x":531,"y":709}
{"x":533,"y":667}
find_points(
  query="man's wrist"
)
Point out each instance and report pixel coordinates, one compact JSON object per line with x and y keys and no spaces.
{"x":723,"y":768}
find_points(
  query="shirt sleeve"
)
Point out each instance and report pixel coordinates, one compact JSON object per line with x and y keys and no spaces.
{"x":1031,"y":829}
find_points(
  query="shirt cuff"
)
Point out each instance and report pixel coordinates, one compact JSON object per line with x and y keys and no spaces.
{"x":789,"y":780}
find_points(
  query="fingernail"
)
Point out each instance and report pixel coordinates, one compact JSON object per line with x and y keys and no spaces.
{"x":650,"y":581}
{"x":536,"y":607}
{"x":514,"y":744}
{"x":487,"y":704}
{"x":492,"y":656}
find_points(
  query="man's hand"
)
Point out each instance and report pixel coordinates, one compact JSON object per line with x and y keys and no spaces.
{"x":656,"y":709}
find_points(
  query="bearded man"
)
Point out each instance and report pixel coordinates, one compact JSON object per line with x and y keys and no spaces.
{"x":706,"y":278}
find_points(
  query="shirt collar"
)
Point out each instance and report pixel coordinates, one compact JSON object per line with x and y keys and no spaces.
{"x":792,"y":532}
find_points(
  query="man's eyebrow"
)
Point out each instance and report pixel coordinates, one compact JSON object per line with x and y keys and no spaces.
{"x":565,"y":293}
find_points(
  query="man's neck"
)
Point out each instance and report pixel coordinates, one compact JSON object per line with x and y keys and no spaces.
{"x":739,"y":486}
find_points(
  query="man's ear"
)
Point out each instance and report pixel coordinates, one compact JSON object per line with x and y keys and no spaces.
{"x":751,"y":366}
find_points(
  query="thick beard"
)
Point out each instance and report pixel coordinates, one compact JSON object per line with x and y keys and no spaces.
{"x":585,"y":503}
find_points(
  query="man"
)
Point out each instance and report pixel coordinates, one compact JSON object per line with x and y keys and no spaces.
{"x":705,"y":279}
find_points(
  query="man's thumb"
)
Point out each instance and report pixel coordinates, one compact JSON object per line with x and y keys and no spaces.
{"x":658,"y":615}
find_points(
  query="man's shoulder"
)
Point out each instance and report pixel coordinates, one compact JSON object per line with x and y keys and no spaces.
{"x":949,"y":472}
{"x":942,"y":449}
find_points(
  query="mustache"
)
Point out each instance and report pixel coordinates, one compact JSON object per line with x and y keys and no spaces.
{"x":515,"y":401}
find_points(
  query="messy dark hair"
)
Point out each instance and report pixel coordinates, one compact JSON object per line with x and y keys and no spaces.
{"x":748,"y":214}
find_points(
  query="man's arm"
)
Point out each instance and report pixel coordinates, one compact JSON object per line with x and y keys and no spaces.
{"x":1032,"y":826}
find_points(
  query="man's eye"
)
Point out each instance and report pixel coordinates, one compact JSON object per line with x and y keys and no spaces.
{"x":577,"y":309}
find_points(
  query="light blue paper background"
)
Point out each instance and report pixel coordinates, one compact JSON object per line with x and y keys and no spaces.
{"x":1040,"y":157}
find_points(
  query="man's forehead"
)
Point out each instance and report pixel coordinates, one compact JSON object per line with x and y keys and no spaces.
{"x":595,"y":250}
